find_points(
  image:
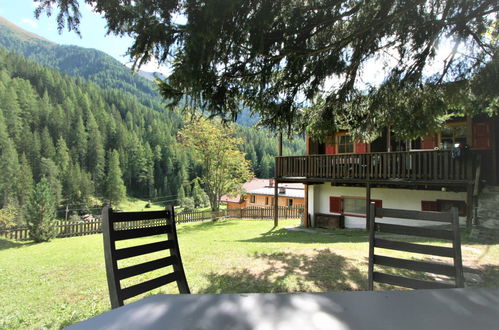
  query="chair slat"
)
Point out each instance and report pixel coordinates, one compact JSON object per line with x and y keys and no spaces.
{"x":409,"y":282}
{"x":136,"y":216}
{"x":416,"y":248}
{"x":145,"y":267}
{"x":421,"y":266}
{"x":141,"y":232}
{"x":414,"y":215}
{"x":143,"y":287}
{"x":413,"y":231}
{"x":138,"y":250}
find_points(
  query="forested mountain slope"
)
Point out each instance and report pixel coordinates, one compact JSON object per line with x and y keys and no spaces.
{"x":64,"y":128}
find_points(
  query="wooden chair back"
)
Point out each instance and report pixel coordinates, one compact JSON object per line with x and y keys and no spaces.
{"x":120,"y":226}
{"x":455,"y":270}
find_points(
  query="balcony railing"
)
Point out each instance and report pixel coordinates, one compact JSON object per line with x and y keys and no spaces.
{"x":431,"y":165}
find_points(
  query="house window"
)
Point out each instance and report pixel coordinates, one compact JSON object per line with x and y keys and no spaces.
{"x":345,"y":144}
{"x":252,"y":199}
{"x":441,"y":205}
{"x":355,"y":206}
{"x":453,"y":134}
{"x":266,"y":201}
{"x":290,"y":202}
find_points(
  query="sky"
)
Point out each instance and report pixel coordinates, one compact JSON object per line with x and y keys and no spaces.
{"x":93,"y":35}
{"x":93,"y":29}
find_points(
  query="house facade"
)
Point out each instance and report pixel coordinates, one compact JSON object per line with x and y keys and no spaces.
{"x":260,"y":193}
{"x":444,"y":169}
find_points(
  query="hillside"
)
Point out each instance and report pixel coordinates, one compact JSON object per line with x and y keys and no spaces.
{"x":80,"y":104}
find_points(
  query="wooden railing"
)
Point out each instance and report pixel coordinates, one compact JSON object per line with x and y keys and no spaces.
{"x":428,"y":165}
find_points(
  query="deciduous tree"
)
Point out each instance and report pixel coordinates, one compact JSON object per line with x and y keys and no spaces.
{"x":224,"y":167}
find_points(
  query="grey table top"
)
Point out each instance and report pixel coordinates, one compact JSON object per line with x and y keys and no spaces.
{"x":421,"y":309}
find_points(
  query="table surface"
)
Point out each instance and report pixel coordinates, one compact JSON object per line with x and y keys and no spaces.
{"x":470,"y":308}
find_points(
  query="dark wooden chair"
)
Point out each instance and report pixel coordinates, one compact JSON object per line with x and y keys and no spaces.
{"x":120,"y":226}
{"x":455,"y":270}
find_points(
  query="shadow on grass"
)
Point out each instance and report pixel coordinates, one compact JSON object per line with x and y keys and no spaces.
{"x":290,"y":236}
{"x":323,"y":270}
{"x":9,"y":244}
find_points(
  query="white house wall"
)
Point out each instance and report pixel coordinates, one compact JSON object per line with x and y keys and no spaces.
{"x":406,"y":199}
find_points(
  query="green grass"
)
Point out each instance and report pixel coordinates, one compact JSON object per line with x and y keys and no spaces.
{"x":54,"y":284}
{"x":135,"y":204}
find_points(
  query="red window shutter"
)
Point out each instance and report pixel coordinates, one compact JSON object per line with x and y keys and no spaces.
{"x":360,"y":147}
{"x":429,"y":142}
{"x":335,"y":205}
{"x":481,"y":136}
{"x":377,"y":202}
{"x":429,"y":206}
{"x":330,"y":149}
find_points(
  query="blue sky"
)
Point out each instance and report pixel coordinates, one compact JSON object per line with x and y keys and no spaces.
{"x":93,"y":28}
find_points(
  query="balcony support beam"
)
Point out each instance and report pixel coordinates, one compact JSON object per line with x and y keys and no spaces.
{"x":368,"y":204}
{"x":276,"y":203}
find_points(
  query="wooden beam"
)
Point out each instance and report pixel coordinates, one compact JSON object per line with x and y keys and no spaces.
{"x":276,"y":203}
{"x":469,"y":205}
{"x":305,"y":208}
{"x":368,"y":204}
{"x":307,"y":144}
{"x":280,"y":143}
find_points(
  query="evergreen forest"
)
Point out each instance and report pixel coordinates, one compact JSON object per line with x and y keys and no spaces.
{"x":90,"y":135}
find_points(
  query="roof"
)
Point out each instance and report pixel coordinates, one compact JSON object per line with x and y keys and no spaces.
{"x":289,"y":192}
{"x":250,"y":185}
{"x":292,"y":189}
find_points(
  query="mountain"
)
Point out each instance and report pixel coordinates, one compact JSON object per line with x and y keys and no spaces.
{"x":82,"y":98}
{"x":91,"y":64}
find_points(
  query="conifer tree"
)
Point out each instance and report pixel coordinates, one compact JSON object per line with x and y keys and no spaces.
{"x":40,"y":212}
{"x":115,"y":188}
{"x":25,"y":182}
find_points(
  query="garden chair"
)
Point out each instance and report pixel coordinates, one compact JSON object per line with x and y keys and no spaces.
{"x":455,"y":270}
{"x":121,"y":226}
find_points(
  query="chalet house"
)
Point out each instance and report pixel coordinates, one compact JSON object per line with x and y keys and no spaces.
{"x":260,"y":193}
{"x":444,"y":169}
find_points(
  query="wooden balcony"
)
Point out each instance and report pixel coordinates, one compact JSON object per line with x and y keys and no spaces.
{"x":427,"y":167}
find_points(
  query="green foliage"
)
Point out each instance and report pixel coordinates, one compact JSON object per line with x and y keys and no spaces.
{"x":40,"y":212}
{"x":188,"y":204}
{"x":9,"y":216}
{"x":224,"y":167}
{"x":61,"y":127}
{"x":115,"y":188}
{"x":275,"y":57}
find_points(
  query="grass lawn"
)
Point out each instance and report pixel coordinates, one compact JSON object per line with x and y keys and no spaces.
{"x":54,"y":284}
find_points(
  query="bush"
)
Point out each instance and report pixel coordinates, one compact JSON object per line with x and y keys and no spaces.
{"x":188,"y":204}
{"x":40,"y":212}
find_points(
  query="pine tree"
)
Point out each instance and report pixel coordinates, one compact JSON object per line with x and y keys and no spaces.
{"x":96,"y":153}
{"x":115,"y":188}
{"x":9,"y":169}
{"x":40,"y":212}
{"x":25,"y":182}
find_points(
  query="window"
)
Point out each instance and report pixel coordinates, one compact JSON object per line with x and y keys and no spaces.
{"x":345,"y":144}
{"x":441,"y":205}
{"x":266,"y":200}
{"x":355,"y":206}
{"x":453,"y":134}
{"x":290,"y":202}
{"x":252,"y":199}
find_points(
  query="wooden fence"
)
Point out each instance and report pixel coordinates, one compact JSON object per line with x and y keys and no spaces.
{"x":81,"y":228}
{"x":265,"y":213}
